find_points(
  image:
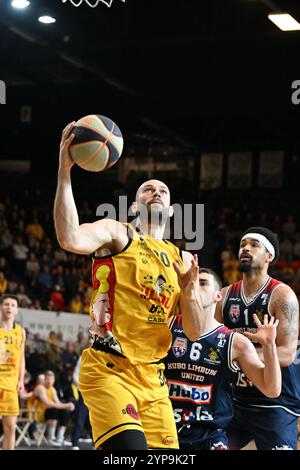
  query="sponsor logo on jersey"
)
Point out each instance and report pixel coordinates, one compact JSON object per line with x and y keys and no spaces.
{"x":265,"y":298}
{"x":234,"y":299}
{"x":179,"y":347}
{"x":222,"y":340}
{"x":151,"y":294}
{"x":181,"y":391}
{"x":183,"y":415}
{"x":234,"y":313}
{"x":131,"y":411}
{"x":213,"y":357}
{"x":142,"y":242}
{"x":168,"y":440}
{"x":260,"y":314}
{"x":283,"y":447}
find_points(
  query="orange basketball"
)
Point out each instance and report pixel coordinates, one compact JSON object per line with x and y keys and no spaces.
{"x":98,"y":143}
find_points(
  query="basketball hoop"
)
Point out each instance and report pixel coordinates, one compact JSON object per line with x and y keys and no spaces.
{"x":91,"y":3}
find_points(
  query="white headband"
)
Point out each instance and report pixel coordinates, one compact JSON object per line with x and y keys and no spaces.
{"x":263,"y":240}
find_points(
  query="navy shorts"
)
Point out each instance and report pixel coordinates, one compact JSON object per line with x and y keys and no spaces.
{"x":197,"y":437}
{"x":270,"y":428}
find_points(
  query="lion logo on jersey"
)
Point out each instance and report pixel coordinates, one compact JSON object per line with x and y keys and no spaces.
{"x":234,"y":313}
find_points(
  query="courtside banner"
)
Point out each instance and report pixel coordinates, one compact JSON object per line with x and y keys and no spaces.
{"x":42,"y":322}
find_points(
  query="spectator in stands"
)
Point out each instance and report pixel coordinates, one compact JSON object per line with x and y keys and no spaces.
{"x":24,"y":300}
{"x":20,"y":251}
{"x":35,"y":229}
{"x":4,"y":267}
{"x":32,"y":403}
{"x":81,"y":411}
{"x":3,"y":283}
{"x":53,"y":411}
{"x":52,"y":338}
{"x":69,"y":357}
{"x":36,"y":305}
{"x":59,"y":278}
{"x":286,"y":250}
{"x":60,"y":256}
{"x":76,"y":305}
{"x":46,"y":261}
{"x":86,"y":302}
{"x":60,"y":340}
{"x":289,"y":227}
{"x":53,"y":358}
{"x":58,"y":299}
{"x":81,"y":343}
{"x":6,"y":240}
{"x":50,"y":306}
{"x":296,"y":247}
{"x":12,"y":287}
{"x":45,"y":281}
{"x":32,"y":269}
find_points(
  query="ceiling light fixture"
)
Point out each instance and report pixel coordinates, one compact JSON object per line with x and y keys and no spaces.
{"x":284,"y":21}
{"x":47,"y":19}
{"x":20,"y":4}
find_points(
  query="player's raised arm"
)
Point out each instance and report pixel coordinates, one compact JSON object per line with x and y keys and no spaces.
{"x":265,"y":376}
{"x":86,"y":238}
{"x":284,"y":306}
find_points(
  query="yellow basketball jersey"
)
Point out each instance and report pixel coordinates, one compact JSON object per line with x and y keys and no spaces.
{"x":134,"y":294}
{"x":38,"y":406}
{"x":10,"y":356}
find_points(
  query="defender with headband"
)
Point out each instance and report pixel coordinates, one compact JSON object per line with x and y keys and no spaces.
{"x":263,"y":240}
{"x":271,"y":422}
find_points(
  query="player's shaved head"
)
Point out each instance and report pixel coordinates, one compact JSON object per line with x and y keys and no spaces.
{"x":150,"y":183}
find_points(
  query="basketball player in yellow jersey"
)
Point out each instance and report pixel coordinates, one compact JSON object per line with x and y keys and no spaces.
{"x":139,"y":282}
{"x":12,"y":367}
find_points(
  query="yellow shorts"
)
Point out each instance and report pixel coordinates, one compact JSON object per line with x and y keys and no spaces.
{"x":9,"y":403}
{"x":121,"y":396}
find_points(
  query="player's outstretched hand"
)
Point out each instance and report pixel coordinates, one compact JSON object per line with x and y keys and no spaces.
{"x":266,"y":331}
{"x":190,"y":278}
{"x":65,"y":161}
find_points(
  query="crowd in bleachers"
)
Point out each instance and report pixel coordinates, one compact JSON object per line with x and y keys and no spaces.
{"x":32,"y":265}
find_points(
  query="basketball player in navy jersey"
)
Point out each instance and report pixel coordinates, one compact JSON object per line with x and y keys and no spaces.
{"x":271,"y":422}
{"x":200,"y":373}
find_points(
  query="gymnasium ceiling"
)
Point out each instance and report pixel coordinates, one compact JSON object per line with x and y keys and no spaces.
{"x":192,"y":71}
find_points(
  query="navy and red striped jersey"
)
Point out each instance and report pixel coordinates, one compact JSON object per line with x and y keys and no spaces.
{"x":200,"y":375}
{"x":238,"y":316}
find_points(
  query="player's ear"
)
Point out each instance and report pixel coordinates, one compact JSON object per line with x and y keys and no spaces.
{"x":171,"y":211}
{"x":269,"y":257}
{"x":219,"y":296}
{"x":133,"y":208}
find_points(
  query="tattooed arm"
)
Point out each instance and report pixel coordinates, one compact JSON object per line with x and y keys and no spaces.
{"x":284,"y":306}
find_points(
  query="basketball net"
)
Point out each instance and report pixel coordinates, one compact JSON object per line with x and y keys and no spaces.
{"x":91,"y":3}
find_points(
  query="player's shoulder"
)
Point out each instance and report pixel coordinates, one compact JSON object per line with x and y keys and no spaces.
{"x":39,"y":389}
{"x":225,"y":290}
{"x":283,"y":297}
{"x":241,"y":344}
{"x":20,"y":328}
{"x":223,"y":329}
{"x":281,"y":290}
